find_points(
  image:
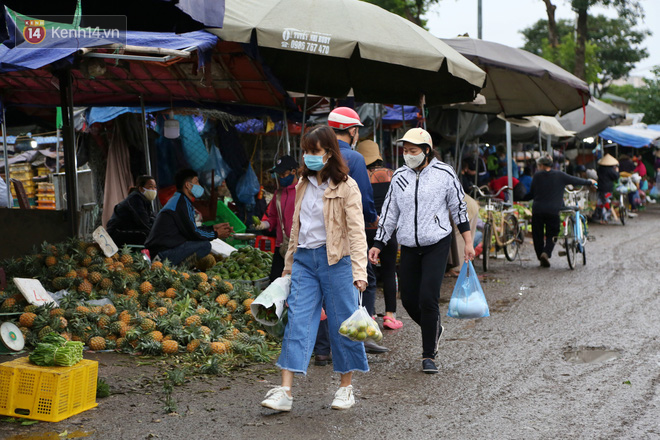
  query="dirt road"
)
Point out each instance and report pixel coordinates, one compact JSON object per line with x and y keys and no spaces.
{"x":515,"y":375}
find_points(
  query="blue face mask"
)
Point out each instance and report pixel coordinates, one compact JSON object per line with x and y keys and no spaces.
{"x":314,"y":163}
{"x":286,"y":181}
{"x":197,"y":191}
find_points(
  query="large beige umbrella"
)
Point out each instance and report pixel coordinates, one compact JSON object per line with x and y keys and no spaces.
{"x":328,"y":47}
{"x":520,"y":83}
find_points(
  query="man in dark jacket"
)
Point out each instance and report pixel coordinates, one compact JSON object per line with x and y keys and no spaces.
{"x":547,"y":191}
{"x":175,"y":235}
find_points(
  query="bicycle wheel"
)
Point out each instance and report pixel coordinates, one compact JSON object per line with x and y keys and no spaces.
{"x":569,"y":242}
{"x":486,"y":245}
{"x":623,"y":213}
{"x":511,"y":230}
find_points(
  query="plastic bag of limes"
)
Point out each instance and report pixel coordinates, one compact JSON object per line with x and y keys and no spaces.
{"x":361,"y":327}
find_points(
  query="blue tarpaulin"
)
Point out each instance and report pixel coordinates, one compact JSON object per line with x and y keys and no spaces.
{"x":105,"y":114}
{"x":630,"y":136}
{"x":25,"y":56}
{"x":393,"y":114}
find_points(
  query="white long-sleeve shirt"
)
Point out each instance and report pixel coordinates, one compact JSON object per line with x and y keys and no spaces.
{"x":312,"y":225}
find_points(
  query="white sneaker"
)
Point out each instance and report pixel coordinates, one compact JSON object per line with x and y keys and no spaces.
{"x":344,"y":398}
{"x":278,"y":399}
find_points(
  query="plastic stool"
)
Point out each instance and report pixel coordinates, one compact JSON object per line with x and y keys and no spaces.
{"x":260,"y":243}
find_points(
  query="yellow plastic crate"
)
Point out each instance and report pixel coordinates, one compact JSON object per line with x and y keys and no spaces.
{"x":50,"y":394}
{"x":20,"y":167}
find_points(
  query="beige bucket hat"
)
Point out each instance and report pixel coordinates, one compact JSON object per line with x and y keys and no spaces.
{"x":608,"y":161}
{"x":369,"y":149}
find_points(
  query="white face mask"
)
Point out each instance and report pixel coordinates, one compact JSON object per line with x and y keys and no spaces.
{"x":150,"y":194}
{"x":414,"y":161}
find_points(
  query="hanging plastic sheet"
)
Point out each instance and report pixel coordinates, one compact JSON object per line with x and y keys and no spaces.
{"x":193,"y":145}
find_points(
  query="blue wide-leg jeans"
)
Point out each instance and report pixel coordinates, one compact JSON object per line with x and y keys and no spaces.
{"x":314,"y":283}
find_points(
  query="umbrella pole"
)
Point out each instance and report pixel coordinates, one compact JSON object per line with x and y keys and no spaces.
{"x":286,"y":133}
{"x":424,"y":111}
{"x":375,"y":122}
{"x":147,"y":153}
{"x":304,"y":121}
{"x":57,"y":151}
{"x":380,"y":127}
{"x":549,"y":139}
{"x":540,"y":141}
{"x":10,"y":199}
{"x":71,"y":175}
{"x":509,"y":167}
{"x":458,"y":138}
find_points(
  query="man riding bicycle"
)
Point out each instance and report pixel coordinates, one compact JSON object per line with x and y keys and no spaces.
{"x":547,"y":192}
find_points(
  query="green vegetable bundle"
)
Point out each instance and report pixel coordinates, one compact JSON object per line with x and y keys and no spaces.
{"x":55,"y":350}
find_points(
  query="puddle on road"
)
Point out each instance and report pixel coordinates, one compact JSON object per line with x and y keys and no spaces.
{"x":52,"y":435}
{"x":590,"y":355}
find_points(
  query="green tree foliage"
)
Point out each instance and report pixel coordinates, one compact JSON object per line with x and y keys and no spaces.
{"x":412,"y":10}
{"x":564,"y":56}
{"x":612,"y":45}
{"x":536,"y":36}
{"x":625,"y":91}
{"x":647,"y":99}
{"x":629,"y":10}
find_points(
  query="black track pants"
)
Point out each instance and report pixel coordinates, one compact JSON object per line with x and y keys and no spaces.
{"x":420,"y":277}
{"x":544,"y":228}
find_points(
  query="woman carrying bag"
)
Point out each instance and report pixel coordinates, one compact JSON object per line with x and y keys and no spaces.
{"x":422,"y":194}
{"x":327,"y":262}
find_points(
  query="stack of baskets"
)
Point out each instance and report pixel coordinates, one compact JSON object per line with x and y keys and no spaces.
{"x":45,"y":196}
{"x":24,"y":173}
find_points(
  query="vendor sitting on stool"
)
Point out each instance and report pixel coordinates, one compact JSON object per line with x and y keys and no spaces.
{"x":175,"y":235}
{"x":132,"y":218}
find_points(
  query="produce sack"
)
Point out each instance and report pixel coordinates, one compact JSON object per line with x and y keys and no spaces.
{"x":269,"y":306}
{"x":360,"y":326}
{"x":468,"y":300}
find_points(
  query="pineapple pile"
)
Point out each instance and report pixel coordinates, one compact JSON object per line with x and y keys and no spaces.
{"x":154,"y":308}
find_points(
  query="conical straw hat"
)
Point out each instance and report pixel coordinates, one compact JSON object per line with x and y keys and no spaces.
{"x":608,"y":160}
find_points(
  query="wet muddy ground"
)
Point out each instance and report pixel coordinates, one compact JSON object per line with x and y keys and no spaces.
{"x":564,"y":354}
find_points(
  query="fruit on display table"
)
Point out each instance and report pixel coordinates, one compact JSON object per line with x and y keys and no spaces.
{"x":128,"y":304}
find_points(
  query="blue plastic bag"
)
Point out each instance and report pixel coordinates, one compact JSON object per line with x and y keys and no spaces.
{"x":468,"y":300}
{"x":247,"y":187}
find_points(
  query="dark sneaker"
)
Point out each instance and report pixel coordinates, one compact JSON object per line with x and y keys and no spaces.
{"x":428,"y":366}
{"x":545,"y":260}
{"x":321,"y":360}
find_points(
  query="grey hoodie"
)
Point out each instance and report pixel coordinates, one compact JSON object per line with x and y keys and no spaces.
{"x":418,"y":204}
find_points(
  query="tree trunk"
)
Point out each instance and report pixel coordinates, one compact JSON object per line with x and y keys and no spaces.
{"x":552,"y":24}
{"x":580,"y":49}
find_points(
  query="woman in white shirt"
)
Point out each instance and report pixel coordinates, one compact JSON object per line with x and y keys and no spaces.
{"x":327,"y":262}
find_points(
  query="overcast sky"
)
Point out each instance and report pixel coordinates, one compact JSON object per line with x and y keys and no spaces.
{"x":503,"y":19}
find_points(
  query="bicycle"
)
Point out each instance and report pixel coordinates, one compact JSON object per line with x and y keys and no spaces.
{"x":622,"y":209}
{"x":508,"y":235}
{"x":575,"y":235}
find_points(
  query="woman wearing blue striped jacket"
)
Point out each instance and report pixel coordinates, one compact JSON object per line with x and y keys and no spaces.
{"x":422,"y":195}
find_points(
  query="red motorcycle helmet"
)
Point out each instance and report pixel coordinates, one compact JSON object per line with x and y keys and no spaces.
{"x":343,"y":118}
